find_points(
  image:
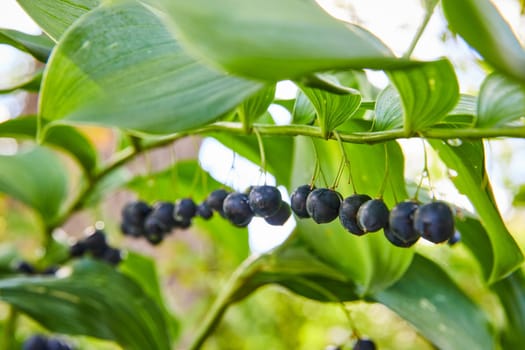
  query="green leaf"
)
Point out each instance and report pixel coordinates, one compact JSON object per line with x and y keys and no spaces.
{"x":32,"y":84}
{"x":332,"y":109}
{"x":511,"y":293}
{"x":255,"y":106}
{"x":274,"y":40}
{"x":519,"y":197}
{"x":303,"y":110}
{"x":501,"y":100}
{"x":46,"y":192}
{"x":428,"y":299}
{"x":94,"y":300}
{"x":482,"y":26}
{"x":467,"y":160}
{"x":388,"y":109}
{"x":55,"y":16}
{"x":118,"y":66}
{"x":66,"y":138}
{"x":427,"y":91}
{"x":38,"y":46}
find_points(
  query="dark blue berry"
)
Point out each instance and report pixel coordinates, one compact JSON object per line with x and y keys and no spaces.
{"x":131,"y":230}
{"x":135,"y":213}
{"x":56,"y":344}
{"x":204,"y":211}
{"x":96,"y":243}
{"x":25,"y":268}
{"x":372,"y":215}
{"x":163,"y":212}
{"x":264,"y":200}
{"x":456,"y":237}
{"x":348,"y":213}
{"x":434,"y":222}
{"x":185,"y":209}
{"x":78,"y":249}
{"x":282,"y":215}
{"x":50,"y":270}
{"x":323,"y":205}
{"x":364,"y":344}
{"x":298,"y":200}
{"x":237,"y":210}
{"x":397,"y":241}
{"x":35,"y":342}
{"x":401,"y":222}
{"x":215,"y":200}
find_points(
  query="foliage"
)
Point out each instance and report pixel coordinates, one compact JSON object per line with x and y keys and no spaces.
{"x":157,"y":71}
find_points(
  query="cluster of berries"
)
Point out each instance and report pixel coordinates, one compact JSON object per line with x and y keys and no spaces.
{"x":153,"y":222}
{"x":360,"y":214}
{"x":97,"y":246}
{"x":40,"y":342}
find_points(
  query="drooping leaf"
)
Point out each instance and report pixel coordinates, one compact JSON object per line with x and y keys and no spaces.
{"x":94,"y":300}
{"x":32,"y":84}
{"x":501,"y":100}
{"x":36,"y":178}
{"x":303,"y":110}
{"x":64,"y":137}
{"x":118,"y":66}
{"x":511,"y":293}
{"x":467,"y":160}
{"x":55,"y":16}
{"x":389,"y":110}
{"x":332,"y":109}
{"x":274,"y":40}
{"x":427,"y":92}
{"x":253,"y":107}
{"x":38,"y":46}
{"x":433,"y":304}
{"x":482,"y":26}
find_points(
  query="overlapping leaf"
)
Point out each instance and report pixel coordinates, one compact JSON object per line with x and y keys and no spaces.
{"x":94,"y":300}
{"x":39,"y":46}
{"x":483,"y":27}
{"x":253,"y":107}
{"x":273,"y":39}
{"x":119,"y":66}
{"x":501,"y":100}
{"x":303,"y":111}
{"x":389,"y":110}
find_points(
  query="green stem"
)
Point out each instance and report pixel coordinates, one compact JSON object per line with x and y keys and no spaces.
{"x":261,"y":151}
{"x":385,"y":178}
{"x":8,"y":338}
{"x":419,"y":32}
{"x":347,"y":161}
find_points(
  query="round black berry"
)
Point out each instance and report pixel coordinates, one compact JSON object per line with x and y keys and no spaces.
{"x":323,"y":205}
{"x":364,"y":344}
{"x":78,"y":249}
{"x":56,"y":344}
{"x":401,"y":221}
{"x":185,"y":209}
{"x":35,"y":342}
{"x":204,"y":211}
{"x":112,"y":256}
{"x":237,"y":210}
{"x":163,"y":212}
{"x":154,"y":229}
{"x":348,"y":213}
{"x":434,"y":222}
{"x":372,"y":215}
{"x":456,"y":237}
{"x":298,"y":200}
{"x":215,"y":200}
{"x":25,"y":268}
{"x":135,"y":213}
{"x":131,"y":230}
{"x":96,"y":243}
{"x":264,"y":200}
{"x":282,"y":215}
{"x":392,"y":238}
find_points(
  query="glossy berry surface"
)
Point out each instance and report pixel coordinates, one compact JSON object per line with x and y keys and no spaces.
{"x":135,"y":213}
{"x":35,"y":342}
{"x":264,"y":200}
{"x":237,"y":210}
{"x":401,"y":221}
{"x":434,"y":222}
{"x":298,"y":200}
{"x":112,"y":256}
{"x":163,"y":212}
{"x":215,"y":200}
{"x":373,"y":215}
{"x":96,"y":243}
{"x":392,"y":238}
{"x":185,"y":209}
{"x":282,"y":215}
{"x":323,"y":205}
{"x":348,"y":213}
{"x":129,"y":229}
{"x":204,"y":211}
{"x":364,"y":344}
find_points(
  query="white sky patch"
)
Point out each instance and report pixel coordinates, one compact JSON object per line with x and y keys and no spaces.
{"x":285,"y":90}
{"x":280,"y":115}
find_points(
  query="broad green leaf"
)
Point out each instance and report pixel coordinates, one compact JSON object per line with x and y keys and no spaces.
{"x":467,"y":160}
{"x":118,"y":66}
{"x":511,"y":293}
{"x":432,"y":303}
{"x":388,"y":109}
{"x":482,"y":26}
{"x":38,"y":46}
{"x":427,"y":93}
{"x":55,"y":16}
{"x":256,"y":105}
{"x":66,"y":138}
{"x":370,"y":261}
{"x":36,"y":178}
{"x":274,"y":40}
{"x":303,"y":110}
{"x":32,"y":84}
{"x":501,"y":100}
{"x":94,"y":300}
{"x":332,"y":109}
